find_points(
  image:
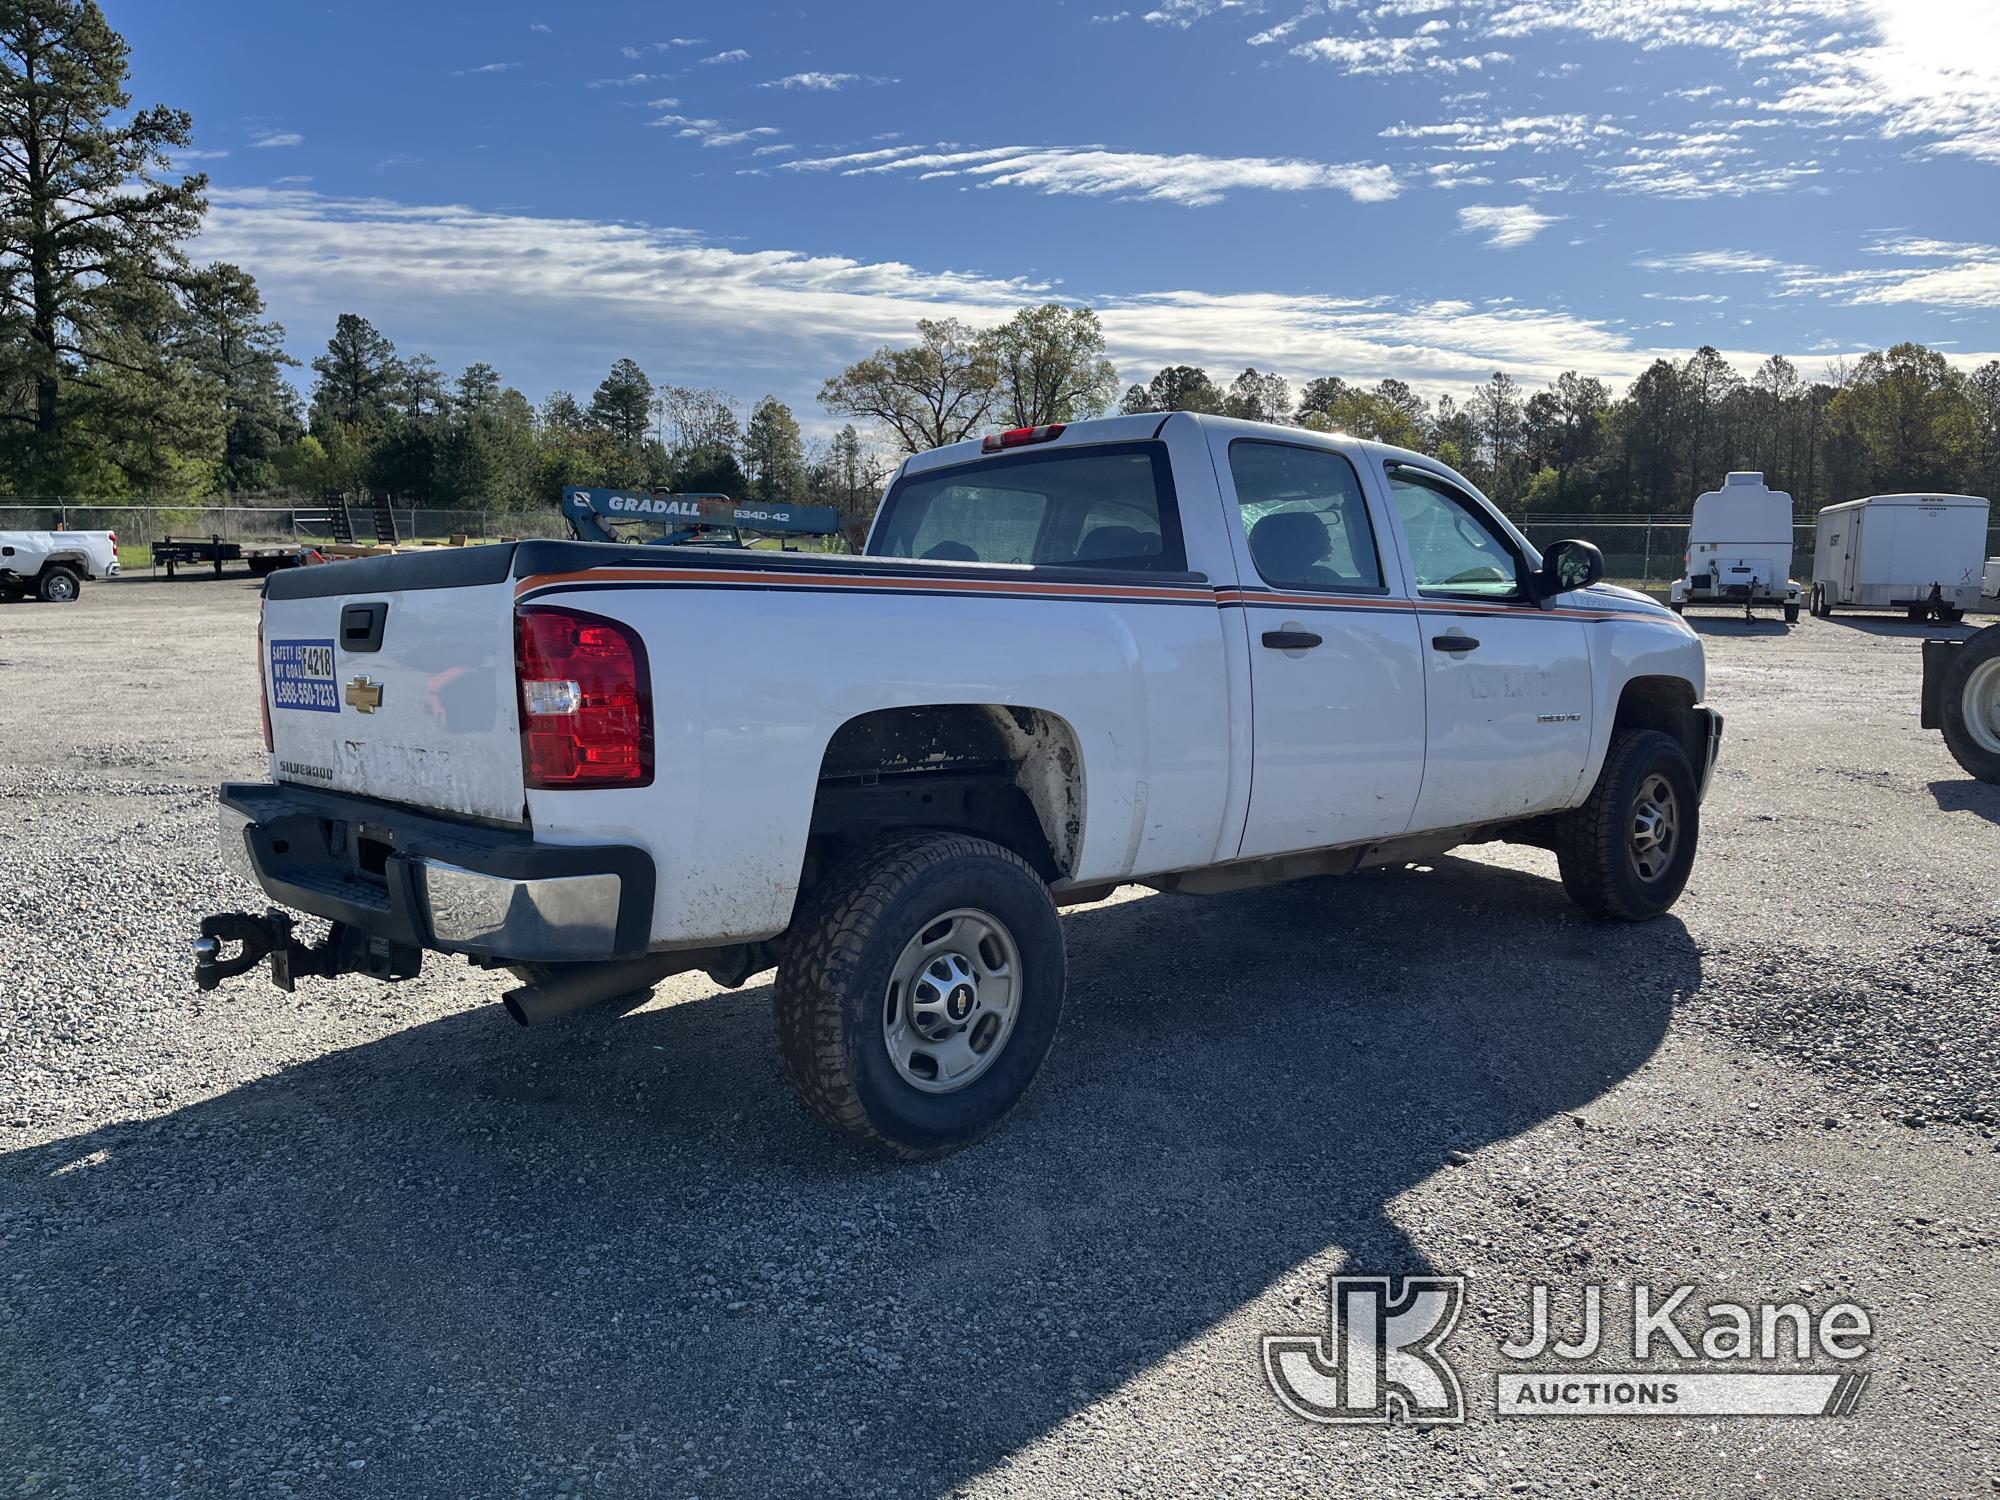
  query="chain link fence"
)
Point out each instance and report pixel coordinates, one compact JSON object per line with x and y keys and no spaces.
{"x":274,"y":524}
{"x":1643,"y":552}
{"x":1650,"y":552}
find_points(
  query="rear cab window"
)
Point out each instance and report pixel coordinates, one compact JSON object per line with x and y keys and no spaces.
{"x":1109,"y":505}
{"x":1304,"y":517}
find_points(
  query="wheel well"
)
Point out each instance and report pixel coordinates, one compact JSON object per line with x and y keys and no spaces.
{"x":1009,"y":774}
{"x":1665,"y":704}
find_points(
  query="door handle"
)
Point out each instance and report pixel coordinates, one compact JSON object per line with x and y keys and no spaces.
{"x":1454,"y":643}
{"x":1290,"y":640}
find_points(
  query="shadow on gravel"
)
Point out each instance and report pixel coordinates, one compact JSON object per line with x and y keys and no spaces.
{"x":1968,"y":796}
{"x":474,"y":1258}
{"x":1892,"y":626}
{"x":1736,"y":625}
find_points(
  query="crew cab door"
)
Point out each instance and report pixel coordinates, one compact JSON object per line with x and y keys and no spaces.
{"x":1336,"y":671}
{"x":1507,"y":683}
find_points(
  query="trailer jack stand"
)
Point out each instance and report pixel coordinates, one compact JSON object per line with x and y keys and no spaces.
{"x":345,"y":951}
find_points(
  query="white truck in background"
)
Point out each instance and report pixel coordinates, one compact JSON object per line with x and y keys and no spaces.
{"x":1739,"y":550}
{"x":1184,"y":651}
{"x":1920,"y":555}
{"x":52,"y":565}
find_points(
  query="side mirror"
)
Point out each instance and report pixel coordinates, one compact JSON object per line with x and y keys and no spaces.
{"x":1568,"y":565}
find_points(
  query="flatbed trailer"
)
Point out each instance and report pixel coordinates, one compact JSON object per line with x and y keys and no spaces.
{"x":179,"y":552}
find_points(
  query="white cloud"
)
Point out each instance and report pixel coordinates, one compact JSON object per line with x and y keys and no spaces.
{"x":733,"y":55}
{"x":1975,"y":283}
{"x":1505,"y":226}
{"x":550,"y":294}
{"x":1184,"y":13}
{"x":1716,"y":262}
{"x":1094,"y":171}
{"x":269,"y":138}
{"x":778,"y":150}
{"x":541,"y":26}
{"x":825,"y":83}
{"x":548,"y":300}
{"x":712,"y":132}
{"x":668,"y":45}
{"x":629,"y":81}
{"x":1369,"y":54}
{"x":484,"y":68}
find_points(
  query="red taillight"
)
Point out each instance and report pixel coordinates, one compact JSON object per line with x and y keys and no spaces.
{"x":114,"y":540}
{"x":263,"y":693}
{"x":1020,"y":437}
{"x":586,"y":711}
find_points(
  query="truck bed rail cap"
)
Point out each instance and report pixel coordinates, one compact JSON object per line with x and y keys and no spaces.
{"x":440,"y":568}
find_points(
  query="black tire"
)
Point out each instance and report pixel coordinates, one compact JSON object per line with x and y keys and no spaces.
{"x":1791,"y":614}
{"x":1595,"y":844}
{"x":833,"y":989}
{"x":1817,"y":604}
{"x":58,"y":585}
{"x":1951,"y":615}
{"x":1982,"y":650}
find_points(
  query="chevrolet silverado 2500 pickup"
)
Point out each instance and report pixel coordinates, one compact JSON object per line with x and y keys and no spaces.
{"x":1183,"y":651}
{"x":52,"y":565}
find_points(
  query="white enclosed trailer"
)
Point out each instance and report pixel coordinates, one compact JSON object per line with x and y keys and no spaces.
{"x":1740,"y":549}
{"x":1916,"y":554}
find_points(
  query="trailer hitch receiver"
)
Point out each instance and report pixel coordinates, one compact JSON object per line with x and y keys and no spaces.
{"x":345,"y":951}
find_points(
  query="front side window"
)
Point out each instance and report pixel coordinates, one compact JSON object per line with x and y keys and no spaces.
{"x":1110,"y":506}
{"x":1455,"y":549}
{"x":1304,"y":517}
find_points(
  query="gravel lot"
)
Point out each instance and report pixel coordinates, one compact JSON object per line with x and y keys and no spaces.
{"x":377,"y":1241}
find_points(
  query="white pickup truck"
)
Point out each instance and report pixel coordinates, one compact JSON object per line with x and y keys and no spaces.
{"x":52,"y":565}
{"x":1183,"y":651}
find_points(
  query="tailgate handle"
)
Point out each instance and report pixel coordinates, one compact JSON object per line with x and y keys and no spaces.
{"x":361,"y":626}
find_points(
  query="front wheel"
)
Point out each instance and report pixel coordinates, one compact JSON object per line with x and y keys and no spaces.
{"x":919,"y":991}
{"x":1971,"y":706}
{"x":1792,"y":614}
{"x":1626,"y":853}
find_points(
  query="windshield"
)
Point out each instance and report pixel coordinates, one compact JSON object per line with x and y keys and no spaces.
{"x":1109,"y":506}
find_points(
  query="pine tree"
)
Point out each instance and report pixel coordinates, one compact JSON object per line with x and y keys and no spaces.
{"x":91,"y":227}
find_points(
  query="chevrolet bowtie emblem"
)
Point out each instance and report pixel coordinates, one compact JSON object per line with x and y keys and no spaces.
{"x":364,"y":696}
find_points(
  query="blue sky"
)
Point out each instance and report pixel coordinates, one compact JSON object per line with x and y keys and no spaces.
{"x":751,"y":196}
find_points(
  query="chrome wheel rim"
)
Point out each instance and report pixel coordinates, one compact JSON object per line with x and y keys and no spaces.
{"x":1656,"y":827}
{"x":1981,"y":705}
{"x":952,"y":1000}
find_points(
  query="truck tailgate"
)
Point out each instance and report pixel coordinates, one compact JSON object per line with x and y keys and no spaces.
{"x":394,"y":678}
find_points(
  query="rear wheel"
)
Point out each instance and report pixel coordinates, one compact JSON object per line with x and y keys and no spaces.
{"x":1626,"y":853}
{"x":919,"y":991}
{"x":58,"y":585}
{"x":1971,"y":706}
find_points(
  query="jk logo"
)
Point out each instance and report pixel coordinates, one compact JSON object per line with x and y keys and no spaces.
{"x":1379,"y":1358}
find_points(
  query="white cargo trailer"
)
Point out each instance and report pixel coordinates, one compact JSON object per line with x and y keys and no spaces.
{"x":1920,"y":555}
{"x":1740,"y":550}
{"x":1989,"y":585}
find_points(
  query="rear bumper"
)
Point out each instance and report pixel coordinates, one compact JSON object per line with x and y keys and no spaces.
{"x":428,"y":882}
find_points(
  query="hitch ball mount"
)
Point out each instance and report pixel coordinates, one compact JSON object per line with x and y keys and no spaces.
{"x":345,"y":951}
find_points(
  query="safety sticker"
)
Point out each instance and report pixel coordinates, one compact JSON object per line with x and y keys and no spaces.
{"x":302,"y":676}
